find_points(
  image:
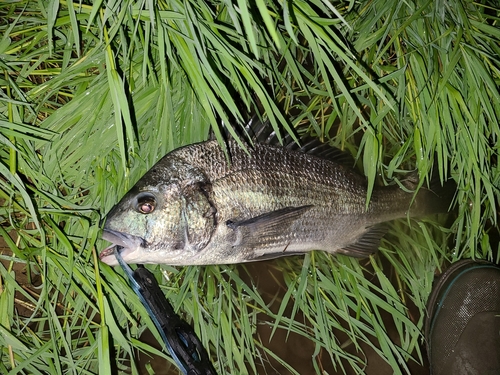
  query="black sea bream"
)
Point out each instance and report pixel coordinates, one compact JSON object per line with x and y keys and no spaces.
{"x":193,"y":207}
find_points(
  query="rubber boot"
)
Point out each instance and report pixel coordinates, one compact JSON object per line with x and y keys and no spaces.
{"x":462,"y":330}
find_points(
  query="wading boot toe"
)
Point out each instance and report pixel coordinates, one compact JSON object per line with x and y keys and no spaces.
{"x":462,"y":329}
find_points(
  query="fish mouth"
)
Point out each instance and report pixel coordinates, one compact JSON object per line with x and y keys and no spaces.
{"x":127,"y":242}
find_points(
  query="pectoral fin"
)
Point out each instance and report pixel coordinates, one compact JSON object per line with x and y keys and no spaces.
{"x":266,"y":229}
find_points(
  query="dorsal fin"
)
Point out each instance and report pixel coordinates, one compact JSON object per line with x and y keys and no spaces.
{"x":257,"y":131}
{"x":263,"y":132}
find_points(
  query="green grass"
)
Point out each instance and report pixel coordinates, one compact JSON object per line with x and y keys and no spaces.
{"x":93,"y":93}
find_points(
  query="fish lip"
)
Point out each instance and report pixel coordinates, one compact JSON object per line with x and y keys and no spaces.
{"x":120,"y":238}
{"x":126,"y":241}
{"x":132,"y":250}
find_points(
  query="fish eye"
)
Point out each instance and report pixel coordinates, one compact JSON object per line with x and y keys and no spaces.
{"x":146,"y":203}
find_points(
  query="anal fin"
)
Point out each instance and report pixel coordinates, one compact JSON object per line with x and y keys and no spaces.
{"x":367,"y":244}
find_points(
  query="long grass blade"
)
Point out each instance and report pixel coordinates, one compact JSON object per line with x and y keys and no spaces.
{"x":93,"y":93}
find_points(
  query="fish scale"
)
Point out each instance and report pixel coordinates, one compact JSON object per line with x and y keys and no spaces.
{"x":193,"y":207}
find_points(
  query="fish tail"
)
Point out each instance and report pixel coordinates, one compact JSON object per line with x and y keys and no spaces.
{"x":436,"y":198}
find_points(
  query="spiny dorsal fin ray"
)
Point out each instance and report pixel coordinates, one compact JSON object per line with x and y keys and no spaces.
{"x":262,"y":132}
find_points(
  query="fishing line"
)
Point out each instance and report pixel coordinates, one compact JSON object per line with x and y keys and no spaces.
{"x":178,"y":336}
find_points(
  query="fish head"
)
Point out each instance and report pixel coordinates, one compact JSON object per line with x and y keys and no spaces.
{"x":167,"y":217}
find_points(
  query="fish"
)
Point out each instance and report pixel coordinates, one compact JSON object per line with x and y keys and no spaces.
{"x":269,"y":200}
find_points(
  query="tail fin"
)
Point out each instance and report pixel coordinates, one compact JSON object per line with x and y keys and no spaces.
{"x":435,"y":199}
